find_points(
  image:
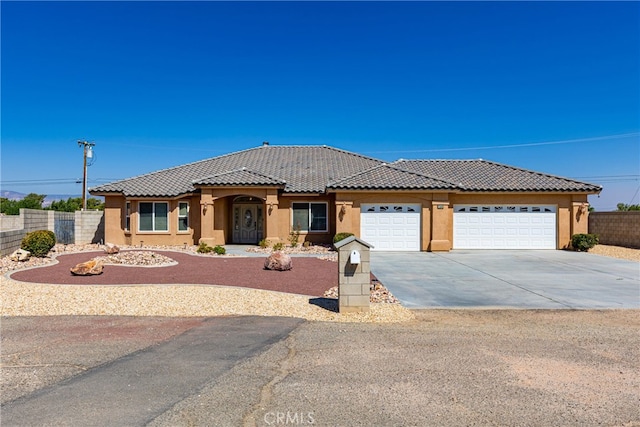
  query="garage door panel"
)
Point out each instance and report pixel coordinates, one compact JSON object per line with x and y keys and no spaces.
{"x":391,"y":227}
{"x":504,"y":227}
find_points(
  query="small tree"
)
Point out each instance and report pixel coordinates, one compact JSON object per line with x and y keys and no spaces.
{"x":73,"y":204}
{"x":30,"y":201}
{"x":625,"y":207}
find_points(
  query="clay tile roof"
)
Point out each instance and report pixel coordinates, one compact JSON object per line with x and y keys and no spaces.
{"x":241,"y":176}
{"x":314,"y":169}
{"x":483,"y":175}
{"x":303,"y":169}
{"x":392,"y":177}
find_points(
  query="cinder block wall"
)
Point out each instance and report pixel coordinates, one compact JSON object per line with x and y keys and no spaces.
{"x":10,"y":240}
{"x":34,"y":219}
{"x":616,"y":228}
{"x":29,"y":220}
{"x":11,"y":222}
{"x":89,"y":227}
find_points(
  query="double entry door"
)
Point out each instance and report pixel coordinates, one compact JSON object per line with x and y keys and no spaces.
{"x":247,"y":223}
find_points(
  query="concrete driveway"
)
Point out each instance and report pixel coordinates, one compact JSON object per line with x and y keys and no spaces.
{"x":521,"y":279}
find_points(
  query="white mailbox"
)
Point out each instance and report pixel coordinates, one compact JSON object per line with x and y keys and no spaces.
{"x":355,"y":257}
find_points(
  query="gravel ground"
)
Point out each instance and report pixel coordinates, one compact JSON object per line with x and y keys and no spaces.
{"x":25,"y":299}
{"x":616,"y":252}
{"x":31,"y":299}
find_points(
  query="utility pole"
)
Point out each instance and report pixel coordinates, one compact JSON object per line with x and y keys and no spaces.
{"x":87,"y":151}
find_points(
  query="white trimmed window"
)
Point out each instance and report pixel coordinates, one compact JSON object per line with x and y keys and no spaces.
{"x":310,"y":217}
{"x":127,"y":216}
{"x":153,"y":216}
{"x":183,"y":216}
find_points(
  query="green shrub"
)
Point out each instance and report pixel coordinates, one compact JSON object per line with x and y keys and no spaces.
{"x":203,"y":248}
{"x":583,"y":242}
{"x":264,"y":243}
{"x":341,"y":236}
{"x":219,"y":250}
{"x":278,"y":246}
{"x":39,"y":242}
{"x":294,"y":236}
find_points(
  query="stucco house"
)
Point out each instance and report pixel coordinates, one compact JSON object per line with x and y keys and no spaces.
{"x":409,"y":205}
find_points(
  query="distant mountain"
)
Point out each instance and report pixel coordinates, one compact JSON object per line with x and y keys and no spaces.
{"x":12,"y":195}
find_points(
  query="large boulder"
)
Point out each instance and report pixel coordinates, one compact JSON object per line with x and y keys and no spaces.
{"x":20,"y":255}
{"x":110,"y":249}
{"x":89,"y":268}
{"x":278,"y":261}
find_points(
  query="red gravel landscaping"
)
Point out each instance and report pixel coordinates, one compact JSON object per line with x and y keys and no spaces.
{"x":309,"y":276}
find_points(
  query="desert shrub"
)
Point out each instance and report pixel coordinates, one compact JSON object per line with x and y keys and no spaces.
{"x":39,"y":242}
{"x":264,"y":243}
{"x":306,"y":243}
{"x":294,"y":236}
{"x":341,"y":236}
{"x":278,"y":246}
{"x":219,"y":250}
{"x":583,"y":242}
{"x":203,"y":248}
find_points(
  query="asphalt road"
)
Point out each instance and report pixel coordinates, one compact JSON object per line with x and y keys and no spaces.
{"x":448,"y":367}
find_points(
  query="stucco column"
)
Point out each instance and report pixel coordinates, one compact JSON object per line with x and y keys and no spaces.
{"x":441,"y":223}
{"x":207,"y":212}
{"x":344,"y":217}
{"x":272,"y":232}
{"x":579,"y":218}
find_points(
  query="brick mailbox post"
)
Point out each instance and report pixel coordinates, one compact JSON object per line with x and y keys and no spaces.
{"x":354,"y":275}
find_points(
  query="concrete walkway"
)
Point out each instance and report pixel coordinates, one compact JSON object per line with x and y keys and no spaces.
{"x":241,"y":250}
{"x":520,"y":279}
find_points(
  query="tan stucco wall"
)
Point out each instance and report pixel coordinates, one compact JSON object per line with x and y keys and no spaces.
{"x":214,"y":225}
{"x":115,"y":223}
{"x":285,"y":222}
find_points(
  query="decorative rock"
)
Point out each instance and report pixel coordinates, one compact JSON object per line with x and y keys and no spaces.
{"x":111,"y":249}
{"x":89,"y":268}
{"x":278,"y":261}
{"x":20,"y":255}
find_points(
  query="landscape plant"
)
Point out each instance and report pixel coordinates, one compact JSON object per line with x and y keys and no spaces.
{"x":203,"y":248}
{"x":341,"y":236}
{"x":583,"y":242}
{"x":278,"y":246}
{"x":294,"y":236}
{"x":39,"y":242}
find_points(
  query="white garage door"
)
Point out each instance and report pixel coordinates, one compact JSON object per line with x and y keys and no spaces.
{"x":504,"y":227}
{"x":391,"y":227}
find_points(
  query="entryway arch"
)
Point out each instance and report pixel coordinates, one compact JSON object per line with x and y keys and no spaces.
{"x":247,"y":220}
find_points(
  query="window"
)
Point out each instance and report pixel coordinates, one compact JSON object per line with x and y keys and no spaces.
{"x":310,"y":216}
{"x":183,"y":216}
{"x":127,"y":216}
{"x":154,"y":216}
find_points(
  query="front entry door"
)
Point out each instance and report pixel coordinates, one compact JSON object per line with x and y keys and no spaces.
{"x":247,"y":223}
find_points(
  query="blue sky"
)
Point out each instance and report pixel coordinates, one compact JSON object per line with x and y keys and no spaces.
{"x":553,"y":87}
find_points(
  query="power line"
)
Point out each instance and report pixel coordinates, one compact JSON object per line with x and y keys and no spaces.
{"x":531,"y":144}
